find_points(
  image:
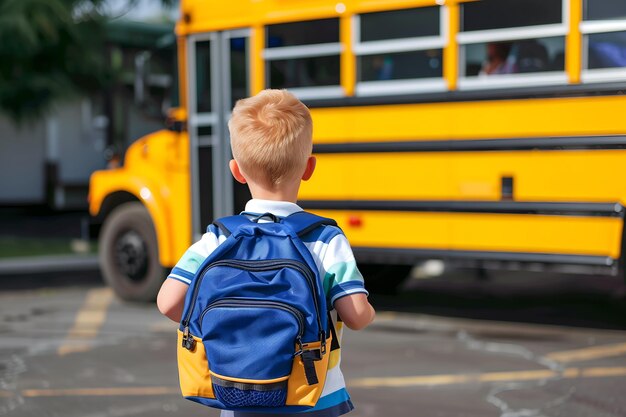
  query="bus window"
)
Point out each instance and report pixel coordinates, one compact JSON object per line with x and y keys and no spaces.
{"x":400,"y":51}
{"x":238,"y":69}
{"x":519,"y":57}
{"x":604,"y":40}
{"x":606,"y":50}
{"x":203,"y":86}
{"x":304,"y":57}
{"x":311,"y":32}
{"x":604,"y":10}
{"x":401,"y":65}
{"x":400,"y":24}
{"x":304,"y":72}
{"x":506,"y":14}
{"x":512,"y":43}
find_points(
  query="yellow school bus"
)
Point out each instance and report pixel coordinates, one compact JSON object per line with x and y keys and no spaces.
{"x":489,"y":131}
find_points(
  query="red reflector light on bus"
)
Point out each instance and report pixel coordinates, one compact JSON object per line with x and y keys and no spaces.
{"x":355,"y":221}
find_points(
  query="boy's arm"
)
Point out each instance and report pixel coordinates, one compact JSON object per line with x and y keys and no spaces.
{"x":355,"y":311}
{"x":344,"y":284}
{"x":171,"y":299}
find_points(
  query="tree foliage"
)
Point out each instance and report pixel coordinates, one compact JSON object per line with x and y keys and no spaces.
{"x":50,"y":50}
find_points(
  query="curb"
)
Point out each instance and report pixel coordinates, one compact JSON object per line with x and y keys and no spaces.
{"x":39,"y":264}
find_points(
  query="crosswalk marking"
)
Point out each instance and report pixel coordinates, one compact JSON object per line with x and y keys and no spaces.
{"x":590,"y":353}
{"x":532,"y":375}
{"x":100,"y":392}
{"x":88,"y":321}
{"x":397,"y":382}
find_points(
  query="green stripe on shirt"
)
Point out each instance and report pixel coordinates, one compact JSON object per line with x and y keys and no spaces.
{"x":190,"y":261}
{"x":339,"y":273}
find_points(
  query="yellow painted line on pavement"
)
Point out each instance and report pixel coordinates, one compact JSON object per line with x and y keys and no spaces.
{"x":590,"y":353}
{"x":603,"y":372}
{"x":385,"y":316}
{"x":536,"y":375}
{"x":571,"y":373}
{"x":517,"y":376}
{"x":88,"y":321}
{"x":100,"y":392}
{"x":403,"y":381}
{"x":408,"y":381}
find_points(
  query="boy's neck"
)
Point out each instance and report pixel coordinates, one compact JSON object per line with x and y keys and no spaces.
{"x":289,"y":192}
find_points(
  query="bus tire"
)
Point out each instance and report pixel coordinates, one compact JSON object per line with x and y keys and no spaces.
{"x":129,"y":253}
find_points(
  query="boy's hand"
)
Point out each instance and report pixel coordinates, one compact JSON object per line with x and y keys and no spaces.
{"x":355,"y":311}
{"x":171,"y":299}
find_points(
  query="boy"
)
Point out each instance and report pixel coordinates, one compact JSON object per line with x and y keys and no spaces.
{"x":271,"y":140}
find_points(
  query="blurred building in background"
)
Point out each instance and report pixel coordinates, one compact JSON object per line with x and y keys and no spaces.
{"x":48,"y":162}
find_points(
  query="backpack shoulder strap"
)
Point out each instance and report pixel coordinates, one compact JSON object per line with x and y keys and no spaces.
{"x":303,"y":222}
{"x":229,"y":224}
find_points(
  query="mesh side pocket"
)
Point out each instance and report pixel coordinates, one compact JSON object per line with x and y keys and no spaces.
{"x":237,"y":394}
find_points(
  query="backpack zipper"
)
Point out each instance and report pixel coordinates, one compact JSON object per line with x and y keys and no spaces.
{"x":267,"y":265}
{"x":243,"y":303}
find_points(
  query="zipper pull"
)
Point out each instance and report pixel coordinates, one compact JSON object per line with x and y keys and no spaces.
{"x":188,"y":341}
{"x":300,"y":347}
{"x":308,"y":360}
{"x":322,"y":336}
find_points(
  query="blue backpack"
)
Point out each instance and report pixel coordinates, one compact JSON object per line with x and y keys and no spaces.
{"x":255,"y":333}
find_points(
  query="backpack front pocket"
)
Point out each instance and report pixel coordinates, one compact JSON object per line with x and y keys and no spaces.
{"x":250,"y":347}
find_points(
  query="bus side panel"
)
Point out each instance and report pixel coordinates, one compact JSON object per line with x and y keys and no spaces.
{"x":574,"y":175}
{"x":541,"y":234}
{"x":577,"y":116}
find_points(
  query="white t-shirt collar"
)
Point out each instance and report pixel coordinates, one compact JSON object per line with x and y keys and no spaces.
{"x":277,"y":208}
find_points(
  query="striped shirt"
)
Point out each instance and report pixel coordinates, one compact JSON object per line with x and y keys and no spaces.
{"x":337,"y":267}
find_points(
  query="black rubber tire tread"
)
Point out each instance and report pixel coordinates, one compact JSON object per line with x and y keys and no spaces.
{"x":132,"y":216}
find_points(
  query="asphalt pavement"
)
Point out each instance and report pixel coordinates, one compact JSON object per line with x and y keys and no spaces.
{"x":451,"y":346}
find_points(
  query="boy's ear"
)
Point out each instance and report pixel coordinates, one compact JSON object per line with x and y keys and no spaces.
{"x":236,"y":171}
{"x":310,"y":168}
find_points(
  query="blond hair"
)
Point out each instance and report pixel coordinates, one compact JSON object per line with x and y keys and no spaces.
{"x":271,"y":136}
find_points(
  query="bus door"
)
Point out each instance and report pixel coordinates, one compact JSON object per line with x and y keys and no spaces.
{"x":218,"y":75}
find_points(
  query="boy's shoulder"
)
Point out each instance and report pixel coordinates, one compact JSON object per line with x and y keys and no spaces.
{"x":324,"y":233}
{"x":325,"y":230}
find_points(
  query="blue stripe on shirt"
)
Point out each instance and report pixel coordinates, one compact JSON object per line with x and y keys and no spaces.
{"x":181,"y":275}
{"x":346,"y":288}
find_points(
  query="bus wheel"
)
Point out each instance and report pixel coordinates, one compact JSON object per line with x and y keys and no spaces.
{"x":129,"y":255}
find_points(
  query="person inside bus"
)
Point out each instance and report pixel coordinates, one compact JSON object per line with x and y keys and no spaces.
{"x":383,"y":67}
{"x":531,"y":56}
{"x":497,"y":61}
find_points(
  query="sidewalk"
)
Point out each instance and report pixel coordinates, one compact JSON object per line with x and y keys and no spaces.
{"x":35,"y":241}
{"x":42,"y":264}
